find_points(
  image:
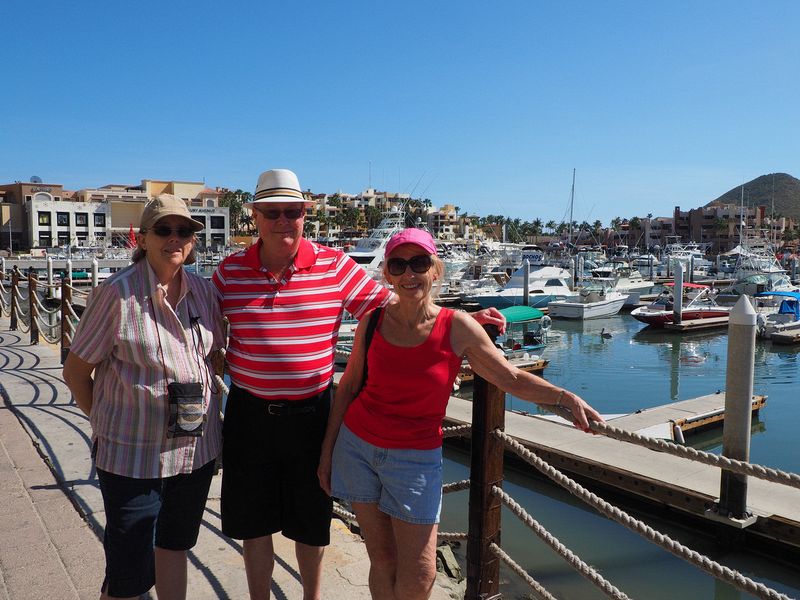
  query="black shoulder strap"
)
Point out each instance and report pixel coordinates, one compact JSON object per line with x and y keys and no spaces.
{"x":371,"y":325}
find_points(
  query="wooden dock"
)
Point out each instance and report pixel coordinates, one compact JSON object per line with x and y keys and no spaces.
{"x":786,"y":337}
{"x":689,"y":487}
{"x":697,"y":324}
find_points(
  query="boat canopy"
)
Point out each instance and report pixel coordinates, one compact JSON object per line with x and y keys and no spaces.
{"x":790,"y":306}
{"x":519,"y":314}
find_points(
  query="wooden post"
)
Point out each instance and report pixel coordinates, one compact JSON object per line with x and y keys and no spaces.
{"x":483,"y":567}
{"x":14,"y":290}
{"x":66,"y":318}
{"x":32,"y":309}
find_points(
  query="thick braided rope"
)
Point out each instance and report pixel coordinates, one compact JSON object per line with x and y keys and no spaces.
{"x":23,"y":326}
{"x":456,"y":486}
{"x":76,"y":290}
{"x":455,"y":430}
{"x":221,"y":383}
{"x":452,"y":536}
{"x":42,"y":309}
{"x":72,"y":312}
{"x":22,"y":307}
{"x":5,"y":307}
{"x":43,"y":327}
{"x":729,"y":464}
{"x":19,"y":295}
{"x":42,"y":284}
{"x":714,"y":568}
{"x":3,"y":289}
{"x":572,"y":559}
{"x":537,"y":587}
{"x":345,"y":514}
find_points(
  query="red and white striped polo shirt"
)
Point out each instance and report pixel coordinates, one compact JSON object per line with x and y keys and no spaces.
{"x":283,"y":333}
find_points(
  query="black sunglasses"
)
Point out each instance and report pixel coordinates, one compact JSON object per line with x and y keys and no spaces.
{"x":164,"y":231}
{"x":421,"y":263}
{"x":275,"y":213}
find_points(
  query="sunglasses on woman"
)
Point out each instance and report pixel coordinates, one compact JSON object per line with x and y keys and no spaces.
{"x":419,"y":264}
{"x":164,"y":231}
{"x":274,"y":213}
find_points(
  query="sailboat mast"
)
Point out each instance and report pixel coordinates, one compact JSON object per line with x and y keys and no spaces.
{"x":571,"y":203}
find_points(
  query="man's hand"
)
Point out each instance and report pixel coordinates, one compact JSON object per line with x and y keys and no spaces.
{"x":491,"y":316}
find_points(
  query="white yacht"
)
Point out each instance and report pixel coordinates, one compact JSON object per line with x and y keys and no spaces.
{"x":544,"y":285}
{"x":368,"y":251}
{"x":592,"y":302}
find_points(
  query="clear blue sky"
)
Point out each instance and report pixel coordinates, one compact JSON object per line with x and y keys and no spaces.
{"x":487,"y":105}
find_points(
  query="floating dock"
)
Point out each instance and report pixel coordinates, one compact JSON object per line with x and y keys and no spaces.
{"x":697,"y":324}
{"x":658,"y":478}
{"x":786,"y":337}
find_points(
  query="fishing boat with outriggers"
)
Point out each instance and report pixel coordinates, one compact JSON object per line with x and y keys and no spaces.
{"x":697,"y":303}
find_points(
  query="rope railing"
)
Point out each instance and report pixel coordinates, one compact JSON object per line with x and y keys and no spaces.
{"x":24,"y":326}
{"x":537,"y":587}
{"x":456,"y":486}
{"x":42,"y":309}
{"x":455,"y":430}
{"x":730,"y":464}
{"x":703,"y":562}
{"x":19,"y":295}
{"x":559,"y":548}
{"x":75,"y":290}
{"x":44,"y":327}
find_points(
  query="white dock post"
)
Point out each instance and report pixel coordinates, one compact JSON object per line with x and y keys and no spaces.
{"x":526,"y":276}
{"x":49,"y":276}
{"x":738,"y":401}
{"x":95,"y":270}
{"x":677,"y":305}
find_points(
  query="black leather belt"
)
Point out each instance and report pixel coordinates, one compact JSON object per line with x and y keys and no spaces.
{"x":285,"y":408}
{"x":279,"y":409}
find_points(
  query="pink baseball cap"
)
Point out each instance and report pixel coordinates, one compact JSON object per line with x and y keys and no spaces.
{"x":418,"y":237}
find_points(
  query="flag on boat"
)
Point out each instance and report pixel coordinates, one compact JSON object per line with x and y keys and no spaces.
{"x":131,"y":238}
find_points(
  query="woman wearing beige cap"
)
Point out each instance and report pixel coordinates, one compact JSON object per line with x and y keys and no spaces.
{"x":147,"y":335}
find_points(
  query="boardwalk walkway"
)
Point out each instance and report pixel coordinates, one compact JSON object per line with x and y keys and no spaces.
{"x":51,"y":511}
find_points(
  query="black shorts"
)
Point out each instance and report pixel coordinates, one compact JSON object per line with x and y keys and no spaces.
{"x":171,"y":507}
{"x":269,"y":468}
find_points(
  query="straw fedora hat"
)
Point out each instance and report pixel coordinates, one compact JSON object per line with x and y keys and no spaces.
{"x":277,"y":185}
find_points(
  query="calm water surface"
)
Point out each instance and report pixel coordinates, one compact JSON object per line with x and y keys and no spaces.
{"x":637,"y":368}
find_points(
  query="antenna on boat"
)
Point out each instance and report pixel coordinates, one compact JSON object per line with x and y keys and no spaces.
{"x":571,"y":204}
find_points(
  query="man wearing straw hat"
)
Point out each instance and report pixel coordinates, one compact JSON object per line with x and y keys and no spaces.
{"x":284,"y":297}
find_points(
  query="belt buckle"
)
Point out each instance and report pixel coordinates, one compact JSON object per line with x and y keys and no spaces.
{"x":276,"y":408}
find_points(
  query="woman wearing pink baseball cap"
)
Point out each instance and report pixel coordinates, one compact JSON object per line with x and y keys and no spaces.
{"x":383,"y":446}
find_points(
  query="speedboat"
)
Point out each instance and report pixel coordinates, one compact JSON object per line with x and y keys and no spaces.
{"x":544,"y":285}
{"x":592,"y":302}
{"x":786,"y":318}
{"x":698,"y":303}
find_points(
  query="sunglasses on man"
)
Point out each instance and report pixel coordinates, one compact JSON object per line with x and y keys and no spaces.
{"x":419,"y":264}
{"x":274,"y":213}
{"x":165,"y":231}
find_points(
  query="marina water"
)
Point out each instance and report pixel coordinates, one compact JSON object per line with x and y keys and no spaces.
{"x":639,"y":368}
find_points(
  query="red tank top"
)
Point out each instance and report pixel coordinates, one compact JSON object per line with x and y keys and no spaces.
{"x":405,"y":398}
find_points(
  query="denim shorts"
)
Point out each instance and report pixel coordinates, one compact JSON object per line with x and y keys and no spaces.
{"x":405,"y":484}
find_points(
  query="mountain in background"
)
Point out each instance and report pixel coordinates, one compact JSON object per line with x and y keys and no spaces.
{"x":759,"y":192}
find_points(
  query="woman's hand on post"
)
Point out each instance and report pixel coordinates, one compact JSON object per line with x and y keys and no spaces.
{"x":491,"y":316}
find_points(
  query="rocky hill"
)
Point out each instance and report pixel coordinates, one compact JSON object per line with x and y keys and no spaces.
{"x":759,"y":192}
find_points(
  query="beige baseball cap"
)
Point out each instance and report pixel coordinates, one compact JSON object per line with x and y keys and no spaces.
{"x":165,"y":205}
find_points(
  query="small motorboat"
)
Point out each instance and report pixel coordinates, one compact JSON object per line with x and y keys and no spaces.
{"x":698,"y":303}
